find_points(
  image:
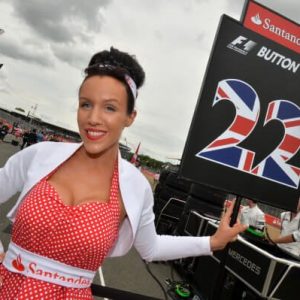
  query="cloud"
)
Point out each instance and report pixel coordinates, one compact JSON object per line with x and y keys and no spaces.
{"x":3,"y":82}
{"x":62,"y":21}
{"x":73,"y":56}
{"x":4,"y":90}
{"x":3,"y":76}
{"x":62,"y":30}
{"x":14,"y":48}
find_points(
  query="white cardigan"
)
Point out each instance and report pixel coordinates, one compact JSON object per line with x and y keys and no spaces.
{"x":27,"y":167}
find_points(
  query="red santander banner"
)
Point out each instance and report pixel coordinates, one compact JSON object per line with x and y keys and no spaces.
{"x":272,"y":25}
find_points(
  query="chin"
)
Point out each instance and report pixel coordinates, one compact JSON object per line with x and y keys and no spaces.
{"x":97,"y":150}
{"x":93,"y":149}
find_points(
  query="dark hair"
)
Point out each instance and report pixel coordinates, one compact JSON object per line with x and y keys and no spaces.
{"x":117,"y":64}
{"x":254,"y":201}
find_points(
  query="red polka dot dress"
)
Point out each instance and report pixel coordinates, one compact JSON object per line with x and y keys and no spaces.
{"x":80,"y":236}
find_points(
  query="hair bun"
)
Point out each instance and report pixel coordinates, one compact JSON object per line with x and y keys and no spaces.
{"x":123,"y":61}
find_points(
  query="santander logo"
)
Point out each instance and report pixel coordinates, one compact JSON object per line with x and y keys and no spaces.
{"x":43,"y":273}
{"x":256,"y":20}
{"x":17,"y":264}
{"x":272,"y":26}
{"x":269,"y":25}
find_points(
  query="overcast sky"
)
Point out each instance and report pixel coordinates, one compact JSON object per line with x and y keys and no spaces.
{"x":47,"y":44}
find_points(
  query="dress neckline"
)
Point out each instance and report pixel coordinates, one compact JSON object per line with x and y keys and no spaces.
{"x":114,"y":189}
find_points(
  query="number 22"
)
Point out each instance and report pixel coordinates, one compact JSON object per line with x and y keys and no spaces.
{"x":225,"y":148}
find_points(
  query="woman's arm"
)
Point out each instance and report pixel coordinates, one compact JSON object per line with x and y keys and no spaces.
{"x":13,"y":174}
{"x":152,"y":246}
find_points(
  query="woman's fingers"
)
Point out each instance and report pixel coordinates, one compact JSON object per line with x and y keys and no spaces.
{"x":228,"y":212}
{"x":239,"y":228}
{"x":226,"y":234}
{"x":227,"y":216}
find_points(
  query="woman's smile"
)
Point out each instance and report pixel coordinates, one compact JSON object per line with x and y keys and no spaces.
{"x":94,"y":134}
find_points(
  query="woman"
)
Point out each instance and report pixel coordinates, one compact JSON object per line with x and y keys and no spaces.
{"x":80,"y":203}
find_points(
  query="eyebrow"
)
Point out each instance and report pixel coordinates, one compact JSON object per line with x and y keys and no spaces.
{"x":106,"y":101}
{"x":84,"y":98}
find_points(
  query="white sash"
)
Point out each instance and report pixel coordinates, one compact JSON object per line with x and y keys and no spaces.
{"x":19,"y":260}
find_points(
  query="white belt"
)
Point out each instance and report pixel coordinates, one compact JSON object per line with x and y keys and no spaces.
{"x":19,"y":260}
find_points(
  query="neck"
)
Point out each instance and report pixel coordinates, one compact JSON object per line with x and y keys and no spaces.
{"x":101,"y":160}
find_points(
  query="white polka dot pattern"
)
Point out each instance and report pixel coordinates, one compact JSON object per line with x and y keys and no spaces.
{"x":80,"y":236}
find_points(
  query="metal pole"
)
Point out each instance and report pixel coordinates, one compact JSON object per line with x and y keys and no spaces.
{"x":217,"y":292}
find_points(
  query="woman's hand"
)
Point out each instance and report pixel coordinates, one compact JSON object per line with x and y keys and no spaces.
{"x":225,"y":233}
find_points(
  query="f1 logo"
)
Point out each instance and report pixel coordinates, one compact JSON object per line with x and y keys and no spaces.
{"x":244,"y":43}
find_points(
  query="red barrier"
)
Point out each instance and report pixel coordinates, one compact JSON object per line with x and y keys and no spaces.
{"x":273,"y":221}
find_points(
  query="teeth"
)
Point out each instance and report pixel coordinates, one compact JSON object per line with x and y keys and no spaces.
{"x":95,"y":133}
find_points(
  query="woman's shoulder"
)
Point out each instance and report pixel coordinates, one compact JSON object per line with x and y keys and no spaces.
{"x":48,"y":146}
{"x":134,"y":172}
{"x":46,"y":149}
{"x":129,"y":167}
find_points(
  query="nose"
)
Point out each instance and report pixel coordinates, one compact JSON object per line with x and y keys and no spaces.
{"x":95,"y":116}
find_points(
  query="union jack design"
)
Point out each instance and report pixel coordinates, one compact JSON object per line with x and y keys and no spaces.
{"x":224,"y":149}
{"x":275,"y":167}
